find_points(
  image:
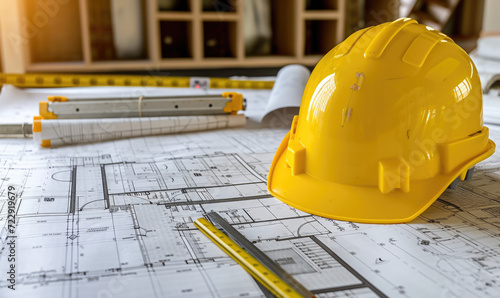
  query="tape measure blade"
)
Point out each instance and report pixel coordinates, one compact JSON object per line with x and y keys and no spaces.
{"x":267,"y":282}
{"x":258,"y":254}
{"x":262,"y":274}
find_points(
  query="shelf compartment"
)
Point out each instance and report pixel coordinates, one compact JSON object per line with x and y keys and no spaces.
{"x":123,"y":38}
{"x":320,"y":36}
{"x":273,"y":31}
{"x":46,"y":41}
{"x":101,"y":30}
{"x":219,"y":39}
{"x":219,"y":6}
{"x":321,"y":4}
{"x":176,"y":39}
{"x":174,"y":5}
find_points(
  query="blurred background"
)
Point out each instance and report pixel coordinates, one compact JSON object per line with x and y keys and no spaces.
{"x":222,"y":37}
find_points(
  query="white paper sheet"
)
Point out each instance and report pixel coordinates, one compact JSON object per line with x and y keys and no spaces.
{"x":286,"y":96}
{"x":115,"y":219}
{"x":78,"y":131}
{"x":488,"y":69}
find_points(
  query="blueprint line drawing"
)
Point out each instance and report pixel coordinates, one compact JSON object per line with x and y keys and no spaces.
{"x":115,"y":219}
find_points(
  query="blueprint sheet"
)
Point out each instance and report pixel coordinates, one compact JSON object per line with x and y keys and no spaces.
{"x":115,"y":219}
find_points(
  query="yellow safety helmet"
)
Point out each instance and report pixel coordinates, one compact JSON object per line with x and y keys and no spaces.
{"x":389,"y":119}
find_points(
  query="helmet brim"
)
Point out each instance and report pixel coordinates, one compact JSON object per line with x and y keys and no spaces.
{"x":358,"y":203}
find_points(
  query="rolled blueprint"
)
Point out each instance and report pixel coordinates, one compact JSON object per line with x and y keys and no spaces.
{"x":52,"y":133}
{"x":284,"y":102}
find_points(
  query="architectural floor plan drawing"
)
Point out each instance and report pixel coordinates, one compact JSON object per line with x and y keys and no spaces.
{"x":115,"y":219}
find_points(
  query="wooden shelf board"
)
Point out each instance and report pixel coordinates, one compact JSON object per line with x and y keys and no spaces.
{"x":312,"y":59}
{"x":37,"y":66}
{"x":267,"y":61}
{"x":171,"y":63}
{"x":218,"y":63}
{"x":219,"y":16}
{"x":270,"y":58}
{"x":177,"y":60}
{"x":174,"y":16}
{"x":321,"y":15}
{"x":80,"y":66}
{"x":120,"y":62}
{"x":223,"y":61}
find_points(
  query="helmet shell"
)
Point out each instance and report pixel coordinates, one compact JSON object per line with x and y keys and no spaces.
{"x":388,"y":119}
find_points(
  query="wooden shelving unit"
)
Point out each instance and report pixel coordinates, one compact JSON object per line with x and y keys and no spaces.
{"x":79,"y":37}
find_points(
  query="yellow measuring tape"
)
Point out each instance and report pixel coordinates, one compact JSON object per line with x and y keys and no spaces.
{"x":84,"y":80}
{"x":260,"y":272}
